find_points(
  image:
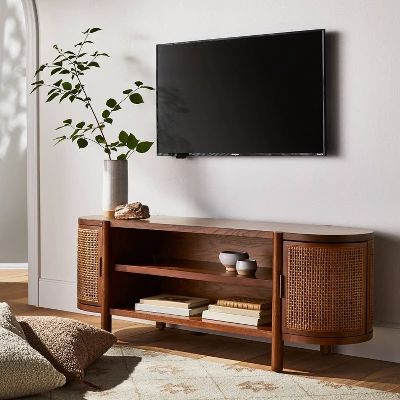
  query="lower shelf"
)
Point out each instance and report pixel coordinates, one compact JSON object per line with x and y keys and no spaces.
{"x":197,"y":322}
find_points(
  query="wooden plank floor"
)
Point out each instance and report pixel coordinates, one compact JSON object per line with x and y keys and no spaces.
{"x":336,"y":368}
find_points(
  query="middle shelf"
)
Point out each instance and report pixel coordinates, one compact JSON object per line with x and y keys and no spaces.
{"x":200,"y":271}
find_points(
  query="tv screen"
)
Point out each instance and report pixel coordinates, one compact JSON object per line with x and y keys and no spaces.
{"x":254,"y":95}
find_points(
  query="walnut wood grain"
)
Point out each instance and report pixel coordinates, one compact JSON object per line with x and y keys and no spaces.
{"x":105,"y":276}
{"x":277,"y":342}
{"x":324,"y":233}
{"x":180,"y":256}
{"x":200,"y":271}
{"x":197,"y":322}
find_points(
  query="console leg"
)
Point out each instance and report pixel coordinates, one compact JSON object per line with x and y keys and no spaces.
{"x":325,"y":349}
{"x":106,"y":321}
{"x":277,"y":355}
{"x":160,"y":325}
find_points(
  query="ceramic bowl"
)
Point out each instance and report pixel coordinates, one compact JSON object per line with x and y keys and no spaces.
{"x":229,"y":258}
{"x":246,"y":267}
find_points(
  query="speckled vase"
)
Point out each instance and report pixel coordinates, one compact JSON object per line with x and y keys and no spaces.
{"x":115,"y":185}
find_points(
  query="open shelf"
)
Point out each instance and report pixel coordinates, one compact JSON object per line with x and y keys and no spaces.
{"x":200,"y":271}
{"x":196,"y":322}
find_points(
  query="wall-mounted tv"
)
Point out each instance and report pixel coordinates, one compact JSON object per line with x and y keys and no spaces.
{"x":253,"y":95}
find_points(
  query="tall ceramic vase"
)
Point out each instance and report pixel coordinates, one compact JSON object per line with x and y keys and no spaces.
{"x":115,"y":185}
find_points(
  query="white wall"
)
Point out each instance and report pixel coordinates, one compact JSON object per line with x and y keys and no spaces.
{"x":356,"y":185}
{"x":13,"y":196}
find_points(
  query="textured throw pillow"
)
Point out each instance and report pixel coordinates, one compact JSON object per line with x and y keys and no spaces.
{"x":23,"y":371}
{"x":8,"y":320}
{"x":70,"y":345}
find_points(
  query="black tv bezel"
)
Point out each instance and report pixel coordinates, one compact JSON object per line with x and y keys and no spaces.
{"x":184,"y":155}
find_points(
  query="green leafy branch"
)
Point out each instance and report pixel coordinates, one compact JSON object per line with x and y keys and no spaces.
{"x":71,"y":66}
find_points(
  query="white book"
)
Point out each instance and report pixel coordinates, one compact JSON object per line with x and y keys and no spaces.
{"x":184,"y":312}
{"x":239,"y":311}
{"x":236,"y":319}
{"x":172,"y":300}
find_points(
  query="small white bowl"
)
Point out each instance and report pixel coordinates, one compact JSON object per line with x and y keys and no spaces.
{"x":229,"y":258}
{"x":246,"y":267}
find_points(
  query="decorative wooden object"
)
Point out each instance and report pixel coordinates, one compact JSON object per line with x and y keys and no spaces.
{"x":319,"y":277}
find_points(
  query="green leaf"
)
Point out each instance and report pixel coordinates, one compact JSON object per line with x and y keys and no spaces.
{"x":55,"y":70}
{"x":66,"y":86}
{"x":94,"y":64}
{"x":68,"y":121}
{"x":69,"y":52}
{"x":59,"y":139}
{"x":100,"y":139}
{"x":111,"y":103}
{"x":75,"y":135}
{"x":37,"y":83}
{"x":138,"y":83}
{"x":132,"y":142}
{"x":65,"y":71}
{"x":64,"y":96}
{"x":87,"y":31}
{"x":116,"y":108}
{"x":81,"y":67}
{"x":103,"y":54}
{"x":108,"y":120}
{"x":51,"y":97}
{"x":40,"y":69}
{"x":123,"y":137}
{"x":82,"y":43}
{"x":147,"y":87}
{"x":93,"y":30}
{"x":80,"y":125}
{"x":51,"y":91}
{"x":127,"y":91}
{"x":60,"y":127}
{"x":82,"y":143}
{"x":35,"y":88}
{"x":136,"y":98}
{"x":121,"y":157}
{"x":58,"y":83}
{"x":105,"y":114}
{"x":72,"y":98}
{"x":107,"y":150}
{"x":144,"y":147}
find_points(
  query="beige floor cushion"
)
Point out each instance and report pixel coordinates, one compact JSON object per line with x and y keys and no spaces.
{"x":8,"y":320}
{"x":70,"y":345}
{"x":23,"y":371}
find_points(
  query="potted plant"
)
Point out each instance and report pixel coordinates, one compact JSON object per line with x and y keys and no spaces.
{"x":69,"y":68}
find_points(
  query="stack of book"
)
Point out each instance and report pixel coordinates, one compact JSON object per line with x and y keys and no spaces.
{"x":240,"y":310}
{"x":173,"y":305}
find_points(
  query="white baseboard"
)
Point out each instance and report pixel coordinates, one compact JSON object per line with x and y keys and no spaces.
{"x":61,"y":295}
{"x":13,"y":265}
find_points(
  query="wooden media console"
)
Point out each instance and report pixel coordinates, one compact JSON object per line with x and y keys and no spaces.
{"x":319,"y":277}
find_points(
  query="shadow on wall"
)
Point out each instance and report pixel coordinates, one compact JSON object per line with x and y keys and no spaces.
{"x":13,"y":218}
{"x":386,"y":278}
{"x":332,"y":74}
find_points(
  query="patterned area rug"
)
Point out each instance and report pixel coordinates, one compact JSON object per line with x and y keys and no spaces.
{"x":129,"y":373}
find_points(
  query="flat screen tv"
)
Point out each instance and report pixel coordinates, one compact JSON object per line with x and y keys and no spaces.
{"x":253,"y":95}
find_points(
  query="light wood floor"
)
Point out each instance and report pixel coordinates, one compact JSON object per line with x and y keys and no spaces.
{"x":335,"y":368}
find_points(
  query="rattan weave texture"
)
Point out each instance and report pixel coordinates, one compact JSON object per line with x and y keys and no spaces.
{"x":325,"y":288}
{"x":88,"y":264}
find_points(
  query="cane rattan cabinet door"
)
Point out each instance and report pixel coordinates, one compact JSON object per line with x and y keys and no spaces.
{"x":325,"y":289}
{"x":89,"y":290}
